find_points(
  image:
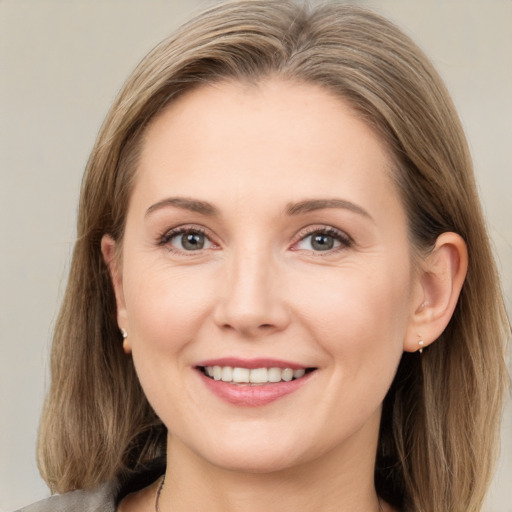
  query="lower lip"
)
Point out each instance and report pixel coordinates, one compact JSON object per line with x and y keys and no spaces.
{"x":255,"y":395}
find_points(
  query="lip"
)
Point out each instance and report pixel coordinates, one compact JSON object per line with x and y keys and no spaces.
{"x":251,"y":395}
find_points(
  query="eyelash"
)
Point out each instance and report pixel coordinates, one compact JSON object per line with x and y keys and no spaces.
{"x":344,"y":240}
{"x":166,"y":238}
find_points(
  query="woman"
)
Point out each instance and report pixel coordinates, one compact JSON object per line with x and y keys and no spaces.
{"x":282,"y":292}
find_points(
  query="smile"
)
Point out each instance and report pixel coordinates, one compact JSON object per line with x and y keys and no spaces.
{"x":253,"y":382}
{"x":240,"y":375}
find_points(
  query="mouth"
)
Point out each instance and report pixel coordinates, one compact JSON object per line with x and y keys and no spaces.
{"x":253,"y":382}
{"x":253,"y":376}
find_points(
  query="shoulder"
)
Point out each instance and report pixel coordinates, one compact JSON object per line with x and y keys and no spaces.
{"x":105,"y":497}
{"x":101,"y":499}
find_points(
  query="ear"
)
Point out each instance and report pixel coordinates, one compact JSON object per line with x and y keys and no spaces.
{"x":439,"y":282}
{"x":110,"y":256}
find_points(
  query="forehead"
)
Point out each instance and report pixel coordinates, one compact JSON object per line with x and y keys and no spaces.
{"x":275,"y":137}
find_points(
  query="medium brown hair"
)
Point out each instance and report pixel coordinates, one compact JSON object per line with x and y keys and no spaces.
{"x":440,"y":421}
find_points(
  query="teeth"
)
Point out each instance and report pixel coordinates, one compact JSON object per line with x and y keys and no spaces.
{"x":287,"y":374}
{"x":297,"y":374}
{"x":241,"y":375}
{"x":274,"y":374}
{"x":259,"y":376}
{"x":227,"y":374}
{"x":253,"y":376}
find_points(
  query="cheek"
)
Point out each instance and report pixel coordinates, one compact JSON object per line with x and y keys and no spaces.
{"x":165,"y":307}
{"x":356,"y":311}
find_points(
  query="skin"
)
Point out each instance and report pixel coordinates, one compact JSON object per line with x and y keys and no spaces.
{"x":260,"y":288}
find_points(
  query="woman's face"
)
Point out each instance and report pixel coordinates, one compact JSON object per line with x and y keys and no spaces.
{"x":265,"y":241}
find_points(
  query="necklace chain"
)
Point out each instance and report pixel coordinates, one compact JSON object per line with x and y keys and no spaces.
{"x":158,"y":492}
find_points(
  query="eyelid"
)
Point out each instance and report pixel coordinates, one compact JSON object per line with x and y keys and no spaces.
{"x":168,"y":234}
{"x":345,"y":239}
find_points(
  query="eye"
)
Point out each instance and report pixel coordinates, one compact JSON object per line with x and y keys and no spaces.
{"x":323,"y":240}
{"x":186,"y":240}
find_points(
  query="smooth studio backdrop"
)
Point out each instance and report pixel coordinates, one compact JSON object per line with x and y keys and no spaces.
{"x":63,"y":61}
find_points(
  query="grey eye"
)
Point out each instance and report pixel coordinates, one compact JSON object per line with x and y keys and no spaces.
{"x":322,"y":242}
{"x":319,"y":242}
{"x":190,"y":241}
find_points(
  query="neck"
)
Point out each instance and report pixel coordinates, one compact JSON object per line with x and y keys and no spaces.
{"x":340,"y":482}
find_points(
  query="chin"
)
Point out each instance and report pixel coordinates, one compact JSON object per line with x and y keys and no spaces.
{"x":243,"y":455}
{"x":251,"y":463}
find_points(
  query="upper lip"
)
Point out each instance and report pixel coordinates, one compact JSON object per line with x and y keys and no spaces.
{"x":259,"y":362}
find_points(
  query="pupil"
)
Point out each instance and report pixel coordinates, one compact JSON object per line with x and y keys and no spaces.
{"x":193,"y":241}
{"x":322,"y":242}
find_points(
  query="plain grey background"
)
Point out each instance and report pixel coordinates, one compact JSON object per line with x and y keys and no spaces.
{"x":63,"y":61}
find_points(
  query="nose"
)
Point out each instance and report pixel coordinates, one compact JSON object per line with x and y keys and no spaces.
{"x":252,"y":297}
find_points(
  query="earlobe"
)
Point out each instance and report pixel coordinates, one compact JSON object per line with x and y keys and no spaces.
{"x":109,"y":252}
{"x":126,"y":344}
{"x":440,"y":281}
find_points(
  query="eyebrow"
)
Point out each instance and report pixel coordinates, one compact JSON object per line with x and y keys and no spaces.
{"x":185,"y":203}
{"x":310,"y":205}
{"x":306,"y":206}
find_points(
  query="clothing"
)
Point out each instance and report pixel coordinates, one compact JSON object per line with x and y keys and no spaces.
{"x":105,"y":498}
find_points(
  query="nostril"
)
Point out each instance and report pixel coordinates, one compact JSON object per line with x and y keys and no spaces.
{"x":261,"y":327}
